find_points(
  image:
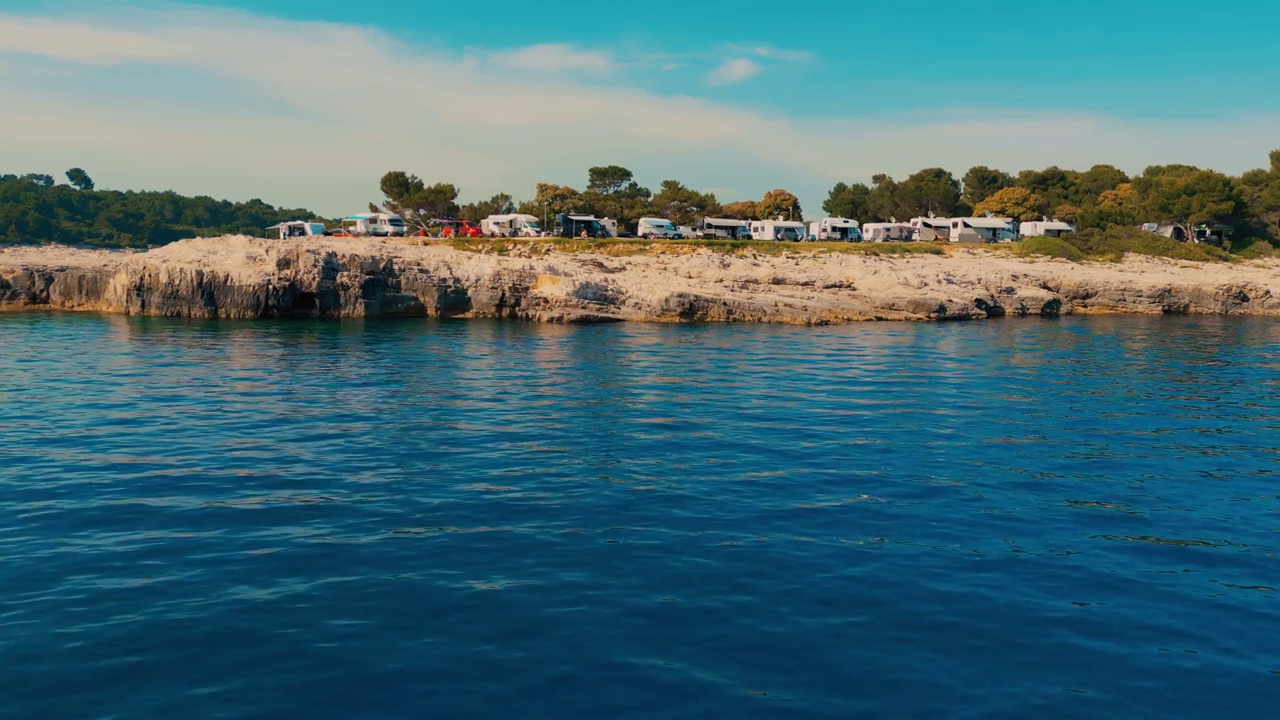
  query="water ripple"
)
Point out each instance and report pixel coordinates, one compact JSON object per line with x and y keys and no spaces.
{"x":1057,"y":519}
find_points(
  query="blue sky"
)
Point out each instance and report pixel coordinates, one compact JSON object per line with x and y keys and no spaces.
{"x":242,"y":98}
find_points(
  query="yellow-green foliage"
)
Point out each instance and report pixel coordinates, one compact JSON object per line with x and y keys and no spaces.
{"x":1049,"y":247}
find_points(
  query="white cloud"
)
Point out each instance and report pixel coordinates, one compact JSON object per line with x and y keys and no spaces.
{"x":311,"y":114}
{"x":553,"y":58}
{"x":772,"y":53}
{"x":733,"y":71}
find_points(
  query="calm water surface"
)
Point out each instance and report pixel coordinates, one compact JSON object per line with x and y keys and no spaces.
{"x":1009,"y":519}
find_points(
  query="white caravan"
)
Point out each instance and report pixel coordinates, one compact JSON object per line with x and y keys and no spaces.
{"x":722,"y":229}
{"x":686,"y":231}
{"x":298,"y":228}
{"x":834,"y":229}
{"x":887,"y":232}
{"x":378,"y":224}
{"x":653,"y":228}
{"x":931,"y":229}
{"x":982,"y":230}
{"x":778,"y":230}
{"x":512,"y":225}
{"x":1045,"y":228}
{"x":610,"y":226}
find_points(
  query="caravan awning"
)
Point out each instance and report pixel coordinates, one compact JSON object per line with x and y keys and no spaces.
{"x":988,"y":223}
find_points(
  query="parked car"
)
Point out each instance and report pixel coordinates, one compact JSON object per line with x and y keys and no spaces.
{"x":340,"y":232}
{"x":460,"y":228}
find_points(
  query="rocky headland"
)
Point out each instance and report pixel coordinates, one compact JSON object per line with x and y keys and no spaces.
{"x":244,"y":278}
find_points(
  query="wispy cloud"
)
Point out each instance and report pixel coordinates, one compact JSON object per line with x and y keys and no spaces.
{"x":553,"y":58}
{"x":733,"y":71}
{"x":773,"y":53}
{"x":239,"y":105}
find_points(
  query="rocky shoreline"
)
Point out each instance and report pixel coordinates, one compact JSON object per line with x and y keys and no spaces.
{"x":247,"y":278}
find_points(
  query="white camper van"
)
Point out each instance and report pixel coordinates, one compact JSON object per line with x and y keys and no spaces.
{"x":653,"y":228}
{"x":887,"y":232}
{"x":982,"y":230}
{"x":512,"y":225}
{"x":1045,"y":228}
{"x":299,"y":228}
{"x":931,"y":229}
{"x":722,"y":229}
{"x":833,"y":229}
{"x":378,"y":225}
{"x":789,"y":230}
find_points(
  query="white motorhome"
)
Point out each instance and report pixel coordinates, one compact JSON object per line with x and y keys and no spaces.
{"x":789,"y":230}
{"x":834,"y":229}
{"x":887,"y":232}
{"x":653,"y":228}
{"x":511,"y":225}
{"x":299,"y":228}
{"x":378,"y":225}
{"x":982,"y":230}
{"x":931,"y":229}
{"x":722,"y":229}
{"x":1045,"y":228}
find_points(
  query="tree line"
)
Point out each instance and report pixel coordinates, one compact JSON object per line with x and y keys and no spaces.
{"x":611,"y":191}
{"x":1101,"y":197}
{"x":35,"y":208}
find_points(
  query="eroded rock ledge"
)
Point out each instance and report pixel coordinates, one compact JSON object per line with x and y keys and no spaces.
{"x":240,"y":277}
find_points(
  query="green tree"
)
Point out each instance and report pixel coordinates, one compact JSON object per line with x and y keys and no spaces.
{"x":930,"y":190}
{"x":1013,"y":202}
{"x":848,"y":201}
{"x":1055,"y":185}
{"x":406,"y":195}
{"x":1187,"y":196}
{"x":609,"y":179}
{"x":499,"y":204}
{"x":1096,"y":180}
{"x":981,"y":182}
{"x":39,"y":179}
{"x":549,"y":200}
{"x":682,"y":205}
{"x":779,"y":203}
{"x":882,"y":202}
{"x":1261,"y":190}
{"x":613,"y":193}
{"x":80,"y":179}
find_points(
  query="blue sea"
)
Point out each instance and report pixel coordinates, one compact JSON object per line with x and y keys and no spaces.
{"x":1072,"y":518}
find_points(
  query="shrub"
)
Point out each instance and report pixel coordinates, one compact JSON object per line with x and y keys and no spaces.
{"x":1050,"y":247}
{"x":1115,"y":241}
{"x":1252,"y":248}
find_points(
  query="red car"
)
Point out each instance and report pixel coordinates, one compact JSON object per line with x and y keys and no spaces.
{"x":340,"y":232}
{"x":458,"y":228}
